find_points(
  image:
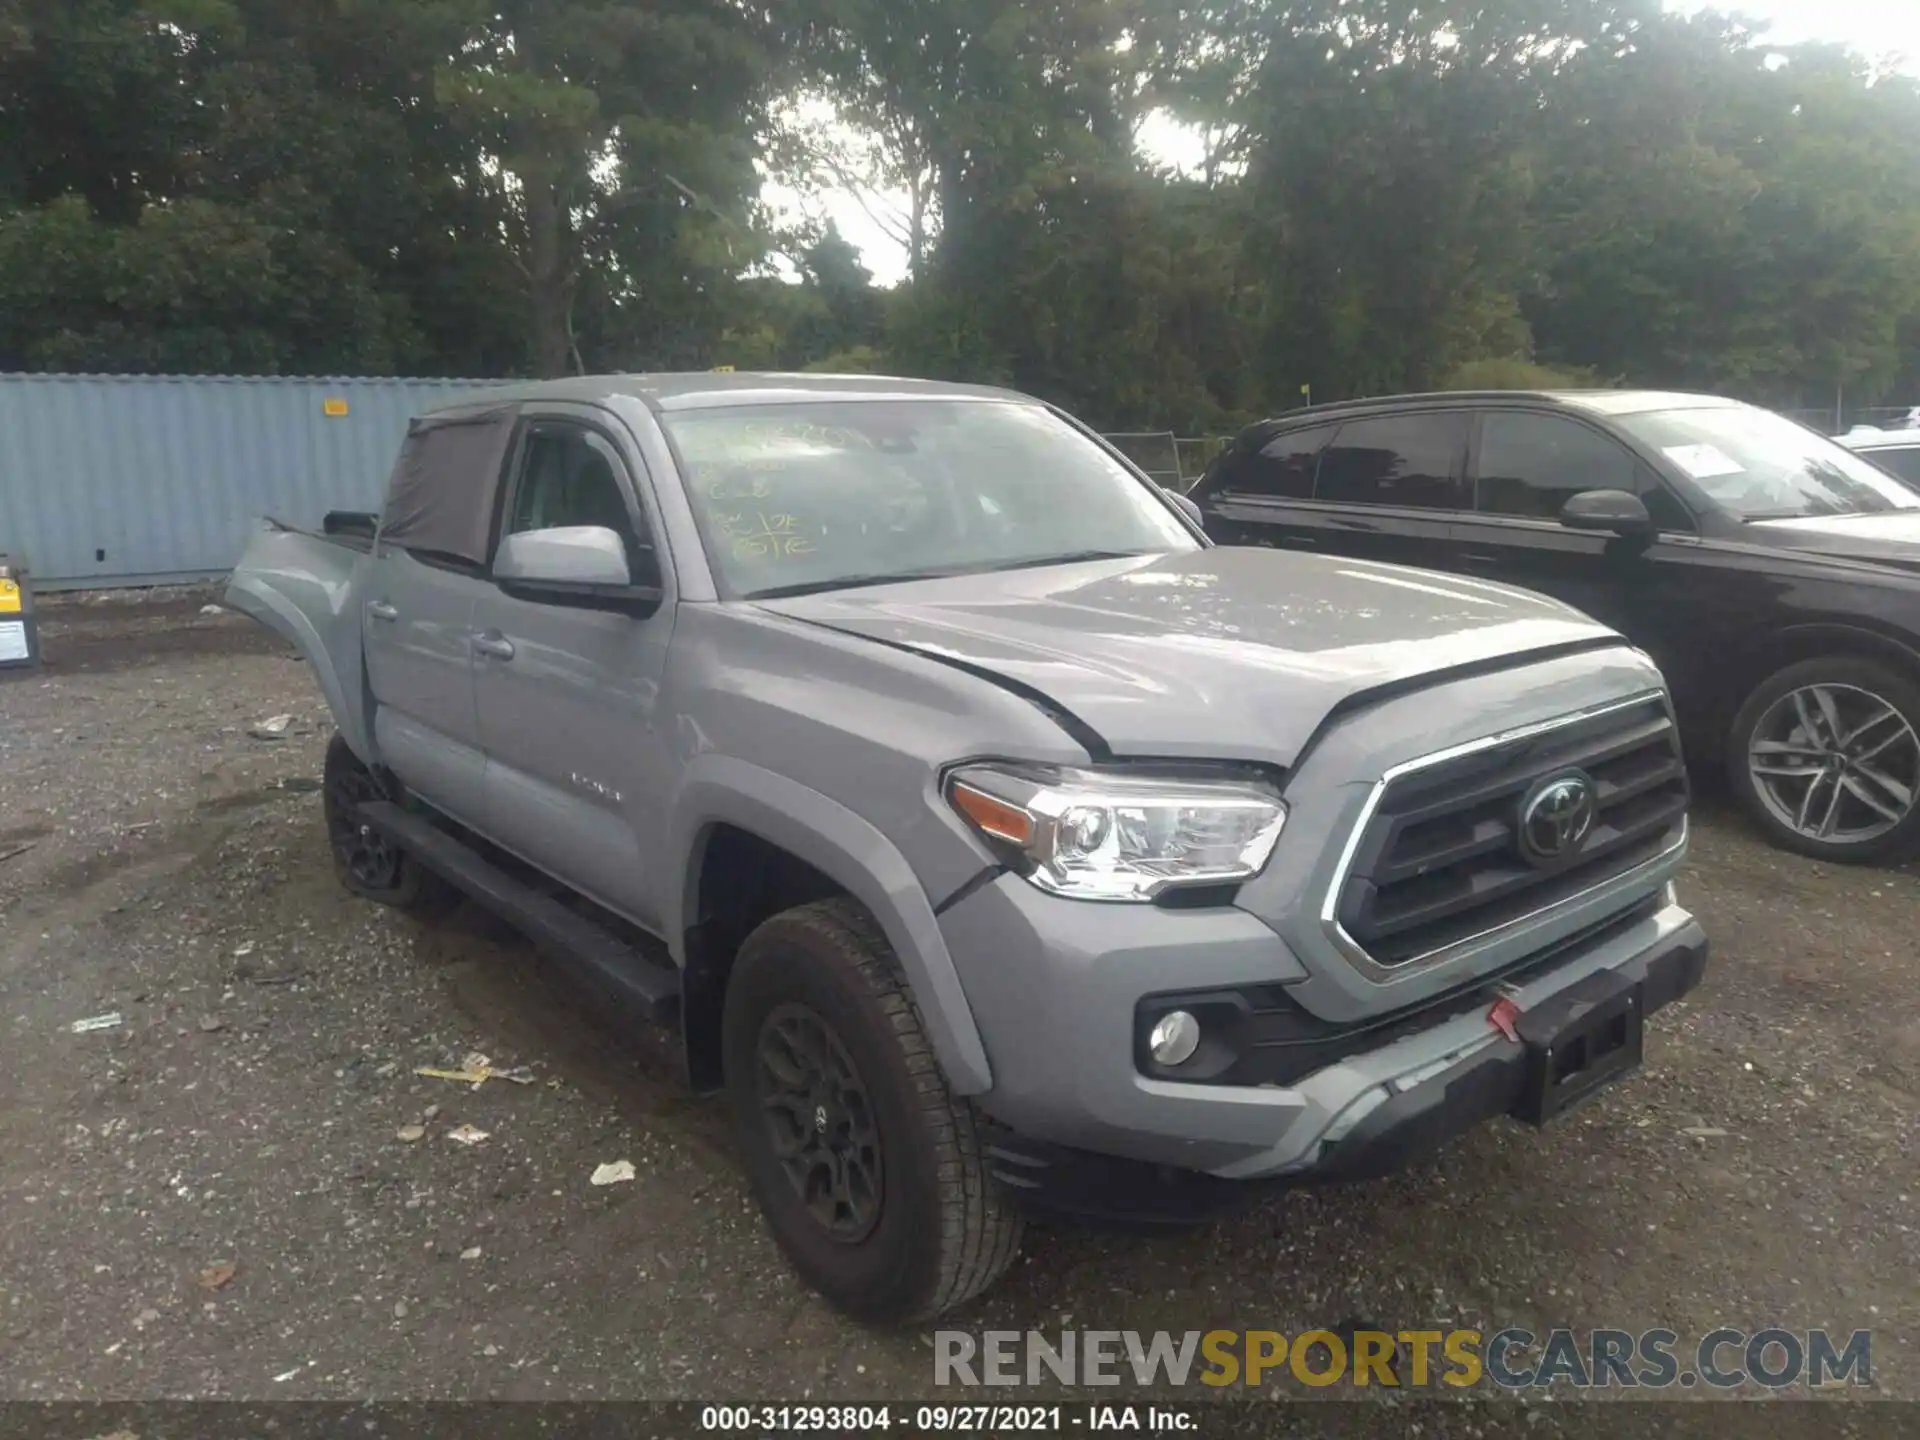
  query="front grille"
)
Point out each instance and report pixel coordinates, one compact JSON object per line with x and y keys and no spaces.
{"x":1442,"y":857}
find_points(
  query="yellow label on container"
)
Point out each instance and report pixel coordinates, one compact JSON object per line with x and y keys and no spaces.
{"x":9,"y":597}
{"x":333,"y":409}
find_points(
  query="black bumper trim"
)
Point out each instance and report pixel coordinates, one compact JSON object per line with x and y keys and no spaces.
{"x":1058,"y":1180}
{"x":1259,"y":1035}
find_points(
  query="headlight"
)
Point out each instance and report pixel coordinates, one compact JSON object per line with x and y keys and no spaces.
{"x":1098,"y":836}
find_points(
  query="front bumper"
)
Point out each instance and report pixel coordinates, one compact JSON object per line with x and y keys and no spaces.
{"x":1056,"y":1006}
{"x":1403,"y":1127}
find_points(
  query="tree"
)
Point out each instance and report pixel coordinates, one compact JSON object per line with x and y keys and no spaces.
{"x":609,"y":137}
{"x":1388,"y":194}
{"x":1766,"y":236}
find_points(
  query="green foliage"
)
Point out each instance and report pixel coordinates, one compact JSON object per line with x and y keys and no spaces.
{"x":1503,"y":373}
{"x":859,"y":360}
{"x":1390,"y":194}
{"x":192,"y":286}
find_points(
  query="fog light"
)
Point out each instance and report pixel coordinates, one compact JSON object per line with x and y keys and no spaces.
{"x":1175,"y":1038}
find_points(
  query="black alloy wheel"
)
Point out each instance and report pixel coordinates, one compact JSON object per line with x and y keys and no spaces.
{"x":820,"y":1122}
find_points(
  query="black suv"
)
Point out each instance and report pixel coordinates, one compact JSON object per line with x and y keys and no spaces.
{"x":1773,"y":574}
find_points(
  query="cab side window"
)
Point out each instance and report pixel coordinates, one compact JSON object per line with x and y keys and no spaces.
{"x":1414,"y":461}
{"x":568,"y":475}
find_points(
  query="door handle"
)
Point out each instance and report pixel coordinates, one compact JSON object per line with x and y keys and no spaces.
{"x":494,"y":644}
{"x":1480,"y":559}
{"x":381,"y":610}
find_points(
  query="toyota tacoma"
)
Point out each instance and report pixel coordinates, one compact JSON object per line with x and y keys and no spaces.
{"x":994,"y":841}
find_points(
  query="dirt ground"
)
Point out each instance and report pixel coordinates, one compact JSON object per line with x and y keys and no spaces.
{"x":159,"y":861}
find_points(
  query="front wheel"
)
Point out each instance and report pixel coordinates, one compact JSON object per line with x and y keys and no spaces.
{"x":871,"y":1174}
{"x":1825,"y":754}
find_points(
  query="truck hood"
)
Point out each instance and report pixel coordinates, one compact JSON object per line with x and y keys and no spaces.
{"x":1225,"y":653}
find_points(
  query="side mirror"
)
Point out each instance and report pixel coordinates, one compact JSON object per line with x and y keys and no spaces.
{"x":1614,"y":511}
{"x":580,"y":565}
{"x":1188,"y":508}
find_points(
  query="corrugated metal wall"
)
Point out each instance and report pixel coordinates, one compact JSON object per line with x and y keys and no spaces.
{"x":137,"y":480}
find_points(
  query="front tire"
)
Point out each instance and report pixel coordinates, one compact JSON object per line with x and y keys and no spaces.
{"x":367,"y":863}
{"x":1825,"y":755}
{"x":871,"y":1173}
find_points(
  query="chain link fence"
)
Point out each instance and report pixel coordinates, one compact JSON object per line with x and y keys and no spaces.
{"x":1175,"y":461}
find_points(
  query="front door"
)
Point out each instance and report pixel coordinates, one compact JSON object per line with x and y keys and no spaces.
{"x":1659,"y":593}
{"x":568,"y":697}
{"x":1527,"y":465}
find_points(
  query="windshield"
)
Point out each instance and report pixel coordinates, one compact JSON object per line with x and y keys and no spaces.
{"x":1760,"y":466}
{"x":817,"y":496}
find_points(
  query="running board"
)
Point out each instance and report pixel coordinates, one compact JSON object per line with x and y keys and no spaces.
{"x":613,"y":969}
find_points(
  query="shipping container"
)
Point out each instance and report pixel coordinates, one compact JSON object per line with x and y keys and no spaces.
{"x":109,"y":480}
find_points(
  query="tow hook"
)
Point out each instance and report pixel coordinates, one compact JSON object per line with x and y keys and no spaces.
{"x":1502,"y":1015}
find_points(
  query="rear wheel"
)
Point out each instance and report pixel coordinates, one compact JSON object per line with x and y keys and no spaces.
{"x":1826,"y":756}
{"x":367,"y":863}
{"x":872,"y":1175}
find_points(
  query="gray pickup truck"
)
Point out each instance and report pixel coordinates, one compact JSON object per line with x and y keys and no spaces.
{"x":994,"y":841}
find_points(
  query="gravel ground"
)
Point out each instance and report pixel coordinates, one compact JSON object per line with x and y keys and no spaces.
{"x":160,"y":862}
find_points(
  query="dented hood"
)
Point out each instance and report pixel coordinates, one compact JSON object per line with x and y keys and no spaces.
{"x":1226,"y":653}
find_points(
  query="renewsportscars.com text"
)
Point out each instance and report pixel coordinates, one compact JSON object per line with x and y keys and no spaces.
{"x":1511,"y":1358}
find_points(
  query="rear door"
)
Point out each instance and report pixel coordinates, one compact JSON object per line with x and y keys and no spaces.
{"x":569,"y":697}
{"x":416,"y":624}
{"x":1392,"y":487}
{"x":427,"y":570}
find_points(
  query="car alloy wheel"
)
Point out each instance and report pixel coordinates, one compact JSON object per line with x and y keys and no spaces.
{"x":1835,"y":763}
{"x":820,"y":1122}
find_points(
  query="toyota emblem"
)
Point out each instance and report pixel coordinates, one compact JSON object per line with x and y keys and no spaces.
{"x":1556,"y":817}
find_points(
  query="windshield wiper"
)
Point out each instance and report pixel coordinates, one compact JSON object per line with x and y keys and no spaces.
{"x":846,"y":582}
{"x":900,"y":577}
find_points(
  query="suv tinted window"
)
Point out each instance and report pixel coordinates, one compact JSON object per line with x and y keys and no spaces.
{"x":1281,"y":469}
{"x":1398,"y":460}
{"x":1532,"y":464}
{"x":1904,"y":462}
{"x":1667,"y":512}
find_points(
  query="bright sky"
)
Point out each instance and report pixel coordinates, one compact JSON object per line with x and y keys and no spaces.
{"x":1887,"y":30}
